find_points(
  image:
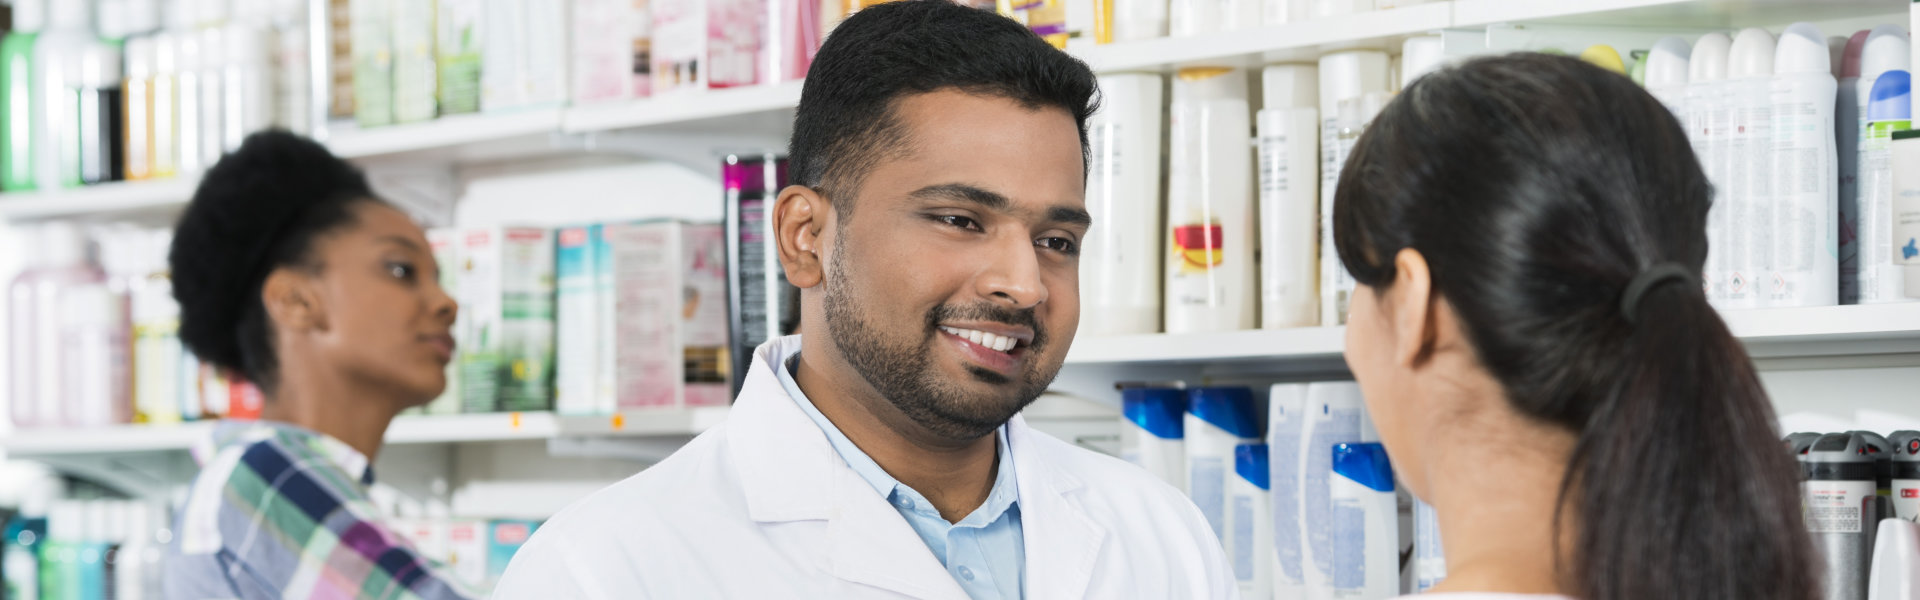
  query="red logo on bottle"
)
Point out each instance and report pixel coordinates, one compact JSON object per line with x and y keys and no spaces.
{"x":1910,"y":493}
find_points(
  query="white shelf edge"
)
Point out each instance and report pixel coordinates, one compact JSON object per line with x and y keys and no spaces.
{"x":680,"y":107}
{"x":349,"y":141}
{"x":119,"y":196}
{"x":1232,"y":46}
{"x":406,"y":430}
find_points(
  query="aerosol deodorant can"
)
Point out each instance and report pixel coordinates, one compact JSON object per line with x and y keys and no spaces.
{"x":1906,"y":475}
{"x":1881,"y":450}
{"x":1841,"y":503}
{"x":1798,"y":444}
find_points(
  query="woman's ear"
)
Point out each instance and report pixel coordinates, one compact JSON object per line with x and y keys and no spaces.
{"x":293,"y":302}
{"x":1411,"y":298}
{"x":799,"y":217}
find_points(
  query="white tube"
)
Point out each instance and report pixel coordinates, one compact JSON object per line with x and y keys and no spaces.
{"x":1749,"y":160}
{"x":1345,"y":77}
{"x":1707,"y":120}
{"x":1152,"y":432}
{"x":1806,"y":266}
{"x":1121,"y":257}
{"x":1250,"y":522}
{"x":1286,"y":428}
{"x":1210,"y":269}
{"x":1217,"y":420}
{"x":1906,"y":207}
{"x":1289,"y":198}
{"x":1334,"y":413}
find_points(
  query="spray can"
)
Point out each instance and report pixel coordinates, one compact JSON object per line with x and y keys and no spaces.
{"x":1881,"y":450}
{"x":1906,"y":475}
{"x":1153,"y":435}
{"x":1798,"y":443}
{"x":1218,"y":420}
{"x":1839,"y":497}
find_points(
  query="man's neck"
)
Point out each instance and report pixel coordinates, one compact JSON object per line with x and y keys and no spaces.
{"x":955,"y":475}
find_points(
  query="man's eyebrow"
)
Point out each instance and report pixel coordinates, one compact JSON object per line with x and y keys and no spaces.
{"x":401,"y":241}
{"x":991,"y":200}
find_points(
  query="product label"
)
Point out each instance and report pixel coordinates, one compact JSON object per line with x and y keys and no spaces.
{"x":1803,"y":240}
{"x":1878,"y":276}
{"x":1906,"y":499}
{"x":1284,"y":465}
{"x":1429,"y":558}
{"x":1243,"y":559}
{"x":1332,"y":425}
{"x":1349,"y":547}
{"x":1197,"y":253}
{"x":1839,"y":506}
{"x":1206,"y":485}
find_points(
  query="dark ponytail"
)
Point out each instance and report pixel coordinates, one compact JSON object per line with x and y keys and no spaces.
{"x":1538,"y":188}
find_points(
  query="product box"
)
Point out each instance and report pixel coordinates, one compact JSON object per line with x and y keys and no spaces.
{"x":415,"y":78}
{"x":762,"y":304}
{"x":429,"y":538}
{"x":577,"y":381}
{"x":467,"y":546}
{"x":458,"y":55}
{"x":506,"y":297}
{"x":669,"y":307}
{"x":602,"y":50}
{"x":545,"y":64}
{"x":736,"y":42}
{"x":445,"y":244}
{"x":504,"y":540}
{"x":503,"y":81}
{"x":679,"y":48}
{"x":640,"y":48}
{"x":372,"y":62}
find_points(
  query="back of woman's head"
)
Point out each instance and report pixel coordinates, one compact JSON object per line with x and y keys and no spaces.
{"x":257,"y":210}
{"x":1538,"y":188}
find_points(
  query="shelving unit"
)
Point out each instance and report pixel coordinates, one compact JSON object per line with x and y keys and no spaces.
{"x":407,"y":430}
{"x":112,"y":198}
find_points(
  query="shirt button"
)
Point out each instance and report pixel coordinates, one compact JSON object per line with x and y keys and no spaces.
{"x":966,"y":573}
{"x":906,"y":503}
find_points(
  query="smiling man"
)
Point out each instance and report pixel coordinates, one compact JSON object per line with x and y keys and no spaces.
{"x":940,"y":153}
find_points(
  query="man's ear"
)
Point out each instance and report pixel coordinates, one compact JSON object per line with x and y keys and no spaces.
{"x":799,"y":218}
{"x":293,"y":301}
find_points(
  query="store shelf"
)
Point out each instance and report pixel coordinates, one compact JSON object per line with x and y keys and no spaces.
{"x":473,"y":428}
{"x":1256,"y":47}
{"x":110,"y":198}
{"x":779,"y":99}
{"x":441,"y":135}
{"x":1779,"y":333}
{"x":1667,"y":13}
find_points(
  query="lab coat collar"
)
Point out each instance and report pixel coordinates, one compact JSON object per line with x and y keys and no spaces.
{"x":789,"y":472}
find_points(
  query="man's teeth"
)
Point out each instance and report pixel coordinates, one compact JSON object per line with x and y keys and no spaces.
{"x":996,"y":342}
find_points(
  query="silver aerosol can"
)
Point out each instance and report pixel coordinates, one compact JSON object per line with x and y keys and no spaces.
{"x":1906,"y":475}
{"x":1841,"y":500}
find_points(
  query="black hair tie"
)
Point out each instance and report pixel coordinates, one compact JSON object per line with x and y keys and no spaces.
{"x":1646,"y":281}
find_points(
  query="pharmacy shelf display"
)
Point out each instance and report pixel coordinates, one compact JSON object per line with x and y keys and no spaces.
{"x":435,"y":429}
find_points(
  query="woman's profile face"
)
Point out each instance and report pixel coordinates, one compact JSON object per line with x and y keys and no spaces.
{"x":1385,"y":385}
{"x":388,"y":322}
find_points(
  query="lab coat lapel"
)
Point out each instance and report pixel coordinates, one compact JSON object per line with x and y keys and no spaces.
{"x":1062,"y":542}
{"x":790,"y":472}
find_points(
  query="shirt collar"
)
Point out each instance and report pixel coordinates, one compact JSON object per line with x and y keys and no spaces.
{"x":1003,"y":497}
{"x":230,"y":433}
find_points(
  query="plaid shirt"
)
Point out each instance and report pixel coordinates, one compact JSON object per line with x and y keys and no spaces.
{"x":282,"y":512}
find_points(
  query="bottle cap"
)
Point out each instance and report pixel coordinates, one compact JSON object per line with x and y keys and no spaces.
{"x":1752,"y":54}
{"x":1349,"y":75}
{"x":1229,"y":408}
{"x":1802,"y":49}
{"x":1159,"y":411}
{"x":1419,"y":56}
{"x":1667,"y":64}
{"x":70,"y":15}
{"x":1709,"y":59}
{"x":29,"y":16}
{"x":1365,"y":464}
{"x":1210,"y":83}
{"x":1250,"y":462}
{"x":1892,"y":97}
{"x":1887,"y":48}
{"x":1290,"y":86}
{"x":1850,"y":61}
{"x":1605,"y":57}
{"x":1840,"y":457}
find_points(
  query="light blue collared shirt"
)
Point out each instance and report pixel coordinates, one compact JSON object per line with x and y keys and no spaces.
{"x":985,"y":552}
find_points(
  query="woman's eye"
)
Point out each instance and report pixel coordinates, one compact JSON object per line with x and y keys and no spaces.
{"x":401,"y":271}
{"x":959,"y":221}
{"x":1061,"y":245}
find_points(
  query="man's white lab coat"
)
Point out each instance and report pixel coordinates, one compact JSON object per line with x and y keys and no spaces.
{"x":762,"y":507}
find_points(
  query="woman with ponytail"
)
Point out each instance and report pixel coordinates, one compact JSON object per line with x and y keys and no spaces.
{"x":1527,"y":233}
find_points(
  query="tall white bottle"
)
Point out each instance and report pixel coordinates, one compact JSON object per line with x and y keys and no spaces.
{"x":23,"y":316}
{"x":1889,"y":110}
{"x":1886,"y":48}
{"x":58,"y":71}
{"x":214,"y":56}
{"x":1346,"y":80}
{"x":1667,"y":66}
{"x":1335,"y":414}
{"x":1217,"y":421}
{"x":188,"y":81}
{"x":1287,"y":420}
{"x":1289,"y":141}
{"x":1188,"y":18}
{"x":1210,"y":272}
{"x":1805,"y":199}
{"x":1250,"y":521}
{"x":1749,"y":159}
{"x":1121,"y":258}
{"x":1707,"y":120}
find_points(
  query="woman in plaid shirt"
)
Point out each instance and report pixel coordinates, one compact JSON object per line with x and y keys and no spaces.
{"x":292,"y":275}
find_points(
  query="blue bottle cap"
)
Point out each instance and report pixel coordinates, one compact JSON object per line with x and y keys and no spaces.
{"x":1160,"y":411}
{"x":1229,"y":408}
{"x":1250,"y":461}
{"x":1892,"y":97}
{"x":1365,"y":464}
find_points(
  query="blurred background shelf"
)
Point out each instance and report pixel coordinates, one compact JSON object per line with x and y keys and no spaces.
{"x":121,"y":197}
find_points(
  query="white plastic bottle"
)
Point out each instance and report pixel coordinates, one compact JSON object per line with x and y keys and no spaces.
{"x":1152,"y":433}
{"x":156,"y":333}
{"x":246,"y":84}
{"x":415,"y":73}
{"x":1321,"y":9}
{"x":1250,"y":521}
{"x":1217,"y":420}
{"x":1136,"y":20}
{"x":1429,"y":557}
{"x":1420,"y":55}
{"x":1286,"y":427}
{"x":1345,"y":78}
{"x":23,"y":317}
{"x":1335,"y":414}
{"x":166,"y":98}
{"x":214,"y":56}
{"x":1849,"y":130}
{"x":1708,"y":117}
{"x":1749,"y":157}
{"x":1886,"y":48}
{"x":1805,"y":201}
{"x":1667,"y":66}
{"x":189,"y":75}
{"x":1121,"y":259}
{"x":94,"y":346}
{"x":1366,"y":523}
{"x":58,"y":57}
{"x":1190,"y":18}
{"x":1889,"y":109}
{"x":1289,"y":140}
{"x":1210,"y":271}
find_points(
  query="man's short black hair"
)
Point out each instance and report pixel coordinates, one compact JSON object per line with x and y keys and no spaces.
{"x":846,"y":122}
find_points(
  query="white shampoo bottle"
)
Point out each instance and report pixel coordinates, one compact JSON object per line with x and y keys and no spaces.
{"x":1289,"y":139}
{"x":1210,"y":274}
{"x":1805,"y":204}
{"x":1749,"y":181}
{"x":1707,"y":119}
{"x":1121,"y":258}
